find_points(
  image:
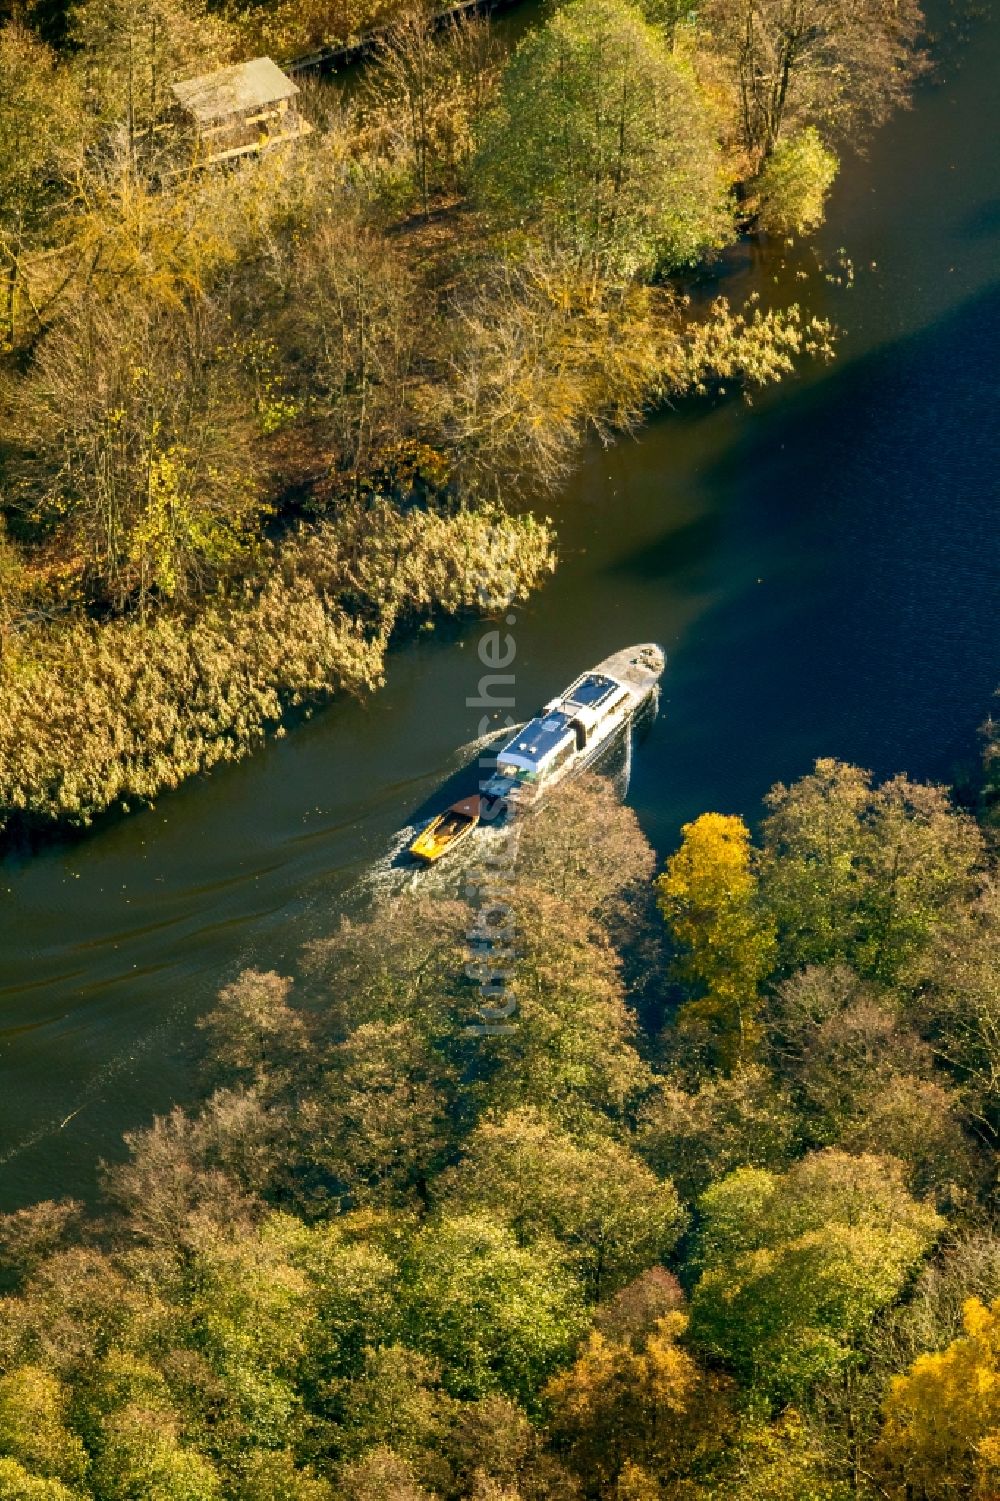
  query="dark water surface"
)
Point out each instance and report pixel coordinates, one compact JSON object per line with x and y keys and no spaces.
{"x":822,"y":567}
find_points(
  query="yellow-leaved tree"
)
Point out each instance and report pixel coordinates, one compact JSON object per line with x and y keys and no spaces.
{"x":942,"y":1418}
{"x":636,"y":1416}
{"x":708,"y":895}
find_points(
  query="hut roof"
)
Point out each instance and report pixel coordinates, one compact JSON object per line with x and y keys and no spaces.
{"x":237,"y":90}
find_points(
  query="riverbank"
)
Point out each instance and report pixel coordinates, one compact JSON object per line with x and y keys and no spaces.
{"x":390,"y":1256}
{"x":313,"y":342}
{"x":100,"y":715}
{"x":94,"y":717}
{"x":859,"y":495}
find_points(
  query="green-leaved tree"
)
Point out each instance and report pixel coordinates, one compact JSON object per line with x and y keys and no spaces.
{"x":794,"y":1267}
{"x":603,"y":144}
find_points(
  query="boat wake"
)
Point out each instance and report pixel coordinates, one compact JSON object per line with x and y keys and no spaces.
{"x":389,"y":876}
{"x":392,"y":873}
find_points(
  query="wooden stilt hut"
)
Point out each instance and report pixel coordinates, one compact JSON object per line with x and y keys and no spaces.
{"x":241,"y":109}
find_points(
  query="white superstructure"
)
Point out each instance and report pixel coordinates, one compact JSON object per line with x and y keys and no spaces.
{"x":573,"y":729}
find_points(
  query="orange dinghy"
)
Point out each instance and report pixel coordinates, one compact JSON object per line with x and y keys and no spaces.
{"x":447,"y":830}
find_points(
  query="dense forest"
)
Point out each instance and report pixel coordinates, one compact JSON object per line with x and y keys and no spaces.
{"x":713,"y":1219}
{"x":255,"y":419}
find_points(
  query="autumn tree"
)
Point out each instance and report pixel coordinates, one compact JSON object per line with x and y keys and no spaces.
{"x":615,"y":161}
{"x":601,"y":1203}
{"x":29,"y":1235}
{"x":957,"y":1005}
{"x":380,"y":1475}
{"x":186,"y":1173}
{"x":18,"y":1484}
{"x":396,"y":1401}
{"x":252,"y":1028}
{"x":862,"y":1077}
{"x":77,"y":1305}
{"x":408,"y":64}
{"x":267,"y":1473}
{"x":795,"y":63}
{"x":351,"y":1291}
{"x":932,"y":1317}
{"x":539,"y":355}
{"x":919,"y":1121}
{"x":795,"y":1266}
{"x":782,"y":1460}
{"x":922,"y":855}
{"x":495,"y":1451}
{"x":572,"y":1051}
{"x":379,"y":1122}
{"x":424,"y":91}
{"x":813,"y":851}
{"x":496,"y":1315}
{"x":41,"y":134}
{"x":353,"y":319}
{"x":941,"y":1436}
{"x":861,"y":873}
{"x":708,"y":895}
{"x":404,"y":961}
{"x":161,"y":248}
{"x":247,"y":1312}
{"x":35,"y":1427}
{"x":609,"y":877}
{"x":558,"y":853}
{"x":792,"y":187}
{"x":691,"y":1136}
{"x":638,"y":1401}
{"x":130,"y":51}
{"x":136,"y":439}
{"x":838,"y":1041}
{"x":143,"y":1453}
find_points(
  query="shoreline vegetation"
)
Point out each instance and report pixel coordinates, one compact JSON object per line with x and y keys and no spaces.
{"x":716,"y":1218}
{"x":227,"y":396}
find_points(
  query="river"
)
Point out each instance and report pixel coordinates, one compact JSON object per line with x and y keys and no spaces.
{"x":822,"y":568}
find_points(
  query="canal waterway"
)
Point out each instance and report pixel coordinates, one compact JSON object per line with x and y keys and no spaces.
{"x":822,"y":567}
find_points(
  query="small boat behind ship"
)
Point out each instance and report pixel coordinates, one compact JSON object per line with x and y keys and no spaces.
{"x":574,"y":729}
{"x":448,"y":829}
